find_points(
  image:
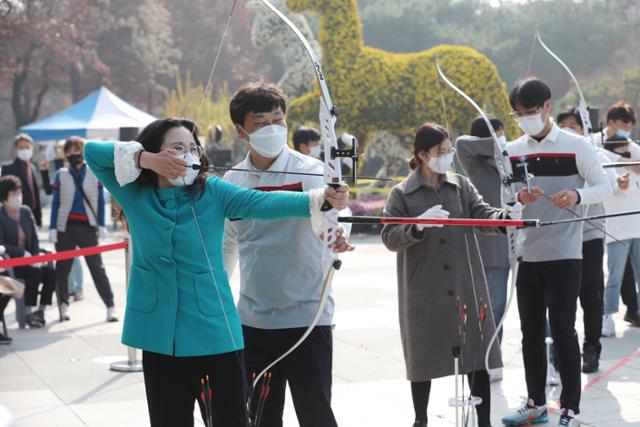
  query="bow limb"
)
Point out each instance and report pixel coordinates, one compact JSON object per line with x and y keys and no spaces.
{"x":508,"y":197}
{"x":583,"y":110}
{"x":332,"y":175}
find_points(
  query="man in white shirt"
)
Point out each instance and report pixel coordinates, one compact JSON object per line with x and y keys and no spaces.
{"x":281,"y":271}
{"x":549,"y":273}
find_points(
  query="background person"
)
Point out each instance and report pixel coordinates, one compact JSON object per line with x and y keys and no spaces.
{"x":306,"y":140}
{"x":19,"y":236}
{"x":23,"y":168}
{"x":78,"y":220}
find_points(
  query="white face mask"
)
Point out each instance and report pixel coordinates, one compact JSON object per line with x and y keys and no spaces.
{"x":502,"y":141}
{"x":192,"y":174}
{"x":25,"y":154}
{"x":531,"y":125}
{"x":268,"y":141}
{"x":315,"y":151}
{"x":14,"y":202}
{"x":441,"y":163}
{"x":623,"y":133}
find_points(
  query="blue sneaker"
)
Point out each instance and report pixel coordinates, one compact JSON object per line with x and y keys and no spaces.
{"x":527,"y":414}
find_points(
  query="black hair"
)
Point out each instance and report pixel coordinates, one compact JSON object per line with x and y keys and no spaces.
{"x":529,"y":93}
{"x":569,"y":112}
{"x":480,"y":129}
{"x":8,"y":184}
{"x":152,"y":138}
{"x":256,"y":97}
{"x":621,"y":111}
{"x":304,"y":135}
{"x":73,"y":142}
{"x":427,"y":136}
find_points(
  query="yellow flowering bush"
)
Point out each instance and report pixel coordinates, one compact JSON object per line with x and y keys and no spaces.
{"x":376,"y":90}
{"x":186,"y":100}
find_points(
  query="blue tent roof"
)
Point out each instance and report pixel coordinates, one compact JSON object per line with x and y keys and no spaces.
{"x":100,"y":115}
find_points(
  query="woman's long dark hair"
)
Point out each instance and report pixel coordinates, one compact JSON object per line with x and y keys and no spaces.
{"x":152,"y":138}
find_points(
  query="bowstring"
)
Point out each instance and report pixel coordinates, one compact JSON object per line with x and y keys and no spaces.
{"x":533,"y":49}
{"x":465,"y":409}
{"x":215,"y":63}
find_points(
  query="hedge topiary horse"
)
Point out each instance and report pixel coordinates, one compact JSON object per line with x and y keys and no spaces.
{"x":382,"y":91}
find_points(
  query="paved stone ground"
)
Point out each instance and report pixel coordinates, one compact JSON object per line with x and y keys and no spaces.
{"x":59,"y":375}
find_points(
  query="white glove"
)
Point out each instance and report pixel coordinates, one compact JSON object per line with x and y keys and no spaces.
{"x":102,"y":232}
{"x":26,"y":254}
{"x":53,"y":235}
{"x":2,"y":249}
{"x":433,"y":212}
{"x":515,"y":211}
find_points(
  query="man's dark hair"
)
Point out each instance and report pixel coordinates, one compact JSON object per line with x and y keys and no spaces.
{"x":8,"y":184}
{"x":529,"y":93}
{"x":480,"y":129}
{"x":304,"y":135}
{"x":73,"y":142}
{"x":569,"y":112}
{"x":623,"y":112}
{"x":256,"y":97}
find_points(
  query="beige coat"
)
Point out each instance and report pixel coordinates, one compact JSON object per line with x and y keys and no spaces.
{"x":440,"y":269}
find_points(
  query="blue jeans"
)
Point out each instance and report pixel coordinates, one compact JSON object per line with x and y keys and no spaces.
{"x":75,"y":277}
{"x":617,"y":254}
{"x":497,"y":282}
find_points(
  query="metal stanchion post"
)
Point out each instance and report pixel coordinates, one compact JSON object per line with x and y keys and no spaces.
{"x":131,"y":364}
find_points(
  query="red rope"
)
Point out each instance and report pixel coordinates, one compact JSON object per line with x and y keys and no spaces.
{"x":57,"y":256}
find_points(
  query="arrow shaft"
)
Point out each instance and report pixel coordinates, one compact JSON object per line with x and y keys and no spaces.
{"x":620,"y":164}
{"x":224,"y":169}
{"x":472,"y":222}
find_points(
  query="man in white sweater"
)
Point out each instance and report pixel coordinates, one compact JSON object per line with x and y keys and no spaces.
{"x":549,"y":273}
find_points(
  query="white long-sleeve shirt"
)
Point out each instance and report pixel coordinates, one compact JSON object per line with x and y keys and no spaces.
{"x":560,"y":161}
{"x":624,"y":227}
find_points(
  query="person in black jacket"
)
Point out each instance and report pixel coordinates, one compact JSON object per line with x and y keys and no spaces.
{"x":19,"y":237}
{"x":26,"y":171}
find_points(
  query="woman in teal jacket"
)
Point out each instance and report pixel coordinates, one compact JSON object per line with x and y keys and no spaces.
{"x":180,"y":310}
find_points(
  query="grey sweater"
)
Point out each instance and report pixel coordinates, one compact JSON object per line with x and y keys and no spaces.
{"x":476,"y":156}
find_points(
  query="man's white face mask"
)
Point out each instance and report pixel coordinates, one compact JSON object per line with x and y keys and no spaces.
{"x":192,"y":174}
{"x":268,"y":141}
{"x":315,"y":151}
{"x":531,"y":125}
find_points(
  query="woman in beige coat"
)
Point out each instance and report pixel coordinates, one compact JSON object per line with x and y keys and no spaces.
{"x":440,"y":274}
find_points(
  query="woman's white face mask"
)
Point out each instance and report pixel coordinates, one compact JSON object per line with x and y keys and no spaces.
{"x":192,"y":174}
{"x":441,"y":163}
{"x":268,"y":141}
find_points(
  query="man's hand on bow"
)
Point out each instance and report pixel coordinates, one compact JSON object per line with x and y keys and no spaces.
{"x":341,"y":244}
{"x":338,"y":198}
{"x":526,"y":198}
{"x":565,"y":199}
{"x":515,"y":211}
{"x":623,"y":181}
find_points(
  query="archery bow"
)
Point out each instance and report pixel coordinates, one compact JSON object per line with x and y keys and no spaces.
{"x":508,"y":198}
{"x":332,"y":176}
{"x":583,"y":109}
